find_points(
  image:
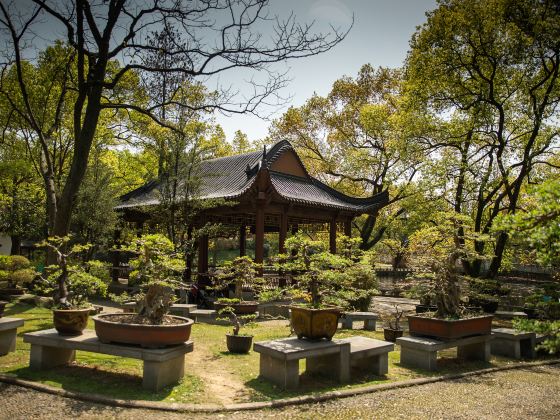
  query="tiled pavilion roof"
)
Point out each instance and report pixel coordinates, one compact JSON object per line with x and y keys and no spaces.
{"x":232,"y":176}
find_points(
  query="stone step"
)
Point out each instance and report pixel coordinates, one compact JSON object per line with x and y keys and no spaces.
{"x":182,"y":309}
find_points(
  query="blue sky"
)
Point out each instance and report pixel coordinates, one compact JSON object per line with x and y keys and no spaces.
{"x":380,"y":36}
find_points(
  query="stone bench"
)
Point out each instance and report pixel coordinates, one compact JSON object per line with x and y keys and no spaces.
{"x":421,"y":352}
{"x":369,"y":319}
{"x":182,"y":309}
{"x":512,"y":343}
{"x":509,"y":314}
{"x":369,"y":354}
{"x":279,"y":359}
{"x":162,"y":367}
{"x":8,"y":332}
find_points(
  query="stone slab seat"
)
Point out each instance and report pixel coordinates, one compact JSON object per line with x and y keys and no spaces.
{"x":162,"y":367}
{"x":509,"y":314}
{"x":369,"y":319}
{"x":369,"y":354}
{"x":279,"y":359}
{"x":8,"y":332}
{"x":512,"y":343}
{"x":182,"y":309}
{"x":421,"y":352}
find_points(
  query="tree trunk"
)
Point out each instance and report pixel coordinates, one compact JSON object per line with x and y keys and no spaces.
{"x":16,"y":245}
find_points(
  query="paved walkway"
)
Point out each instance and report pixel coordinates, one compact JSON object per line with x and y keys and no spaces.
{"x":530,"y":393}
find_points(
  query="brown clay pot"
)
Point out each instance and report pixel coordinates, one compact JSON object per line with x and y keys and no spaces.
{"x":315,"y":324}
{"x":150,"y":336}
{"x":392,"y":335}
{"x":2,"y":307}
{"x":447,"y":329}
{"x":241,"y":308}
{"x":239,"y":343}
{"x":70,"y":321}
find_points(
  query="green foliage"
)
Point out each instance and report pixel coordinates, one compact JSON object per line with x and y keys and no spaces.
{"x":156,"y":260}
{"x":272,"y":295}
{"x":16,"y":270}
{"x":330,"y":278}
{"x":99,"y":269}
{"x":242,"y":271}
{"x":551,"y":330}
{"x":237,"y":321}
{"x":538,"y":223}
{"x":436,"y":249}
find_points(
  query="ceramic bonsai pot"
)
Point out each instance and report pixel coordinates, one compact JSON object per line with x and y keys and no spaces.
{"x":2,"y":307}
{"x":241,"y":308}
{"x":315,"y":324}
{"x":110,"y":329}
{"x":391,"y":334}
{"x":70,"y":321}
{"x":239,"y":343}
{"x":449,"y":329}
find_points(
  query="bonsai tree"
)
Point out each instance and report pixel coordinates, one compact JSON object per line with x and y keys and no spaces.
{"x":242,"y":271}
{"x":157,"y":269}
{"x":437,"y":249}
{"x":316,"y":270}
{"x":69,"y":281}
{"x":16,"y":271}
{"x":394,"y":323}
{"x":237,"y":321}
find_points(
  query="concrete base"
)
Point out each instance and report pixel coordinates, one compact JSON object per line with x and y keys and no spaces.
{"x":157,"y":375}
{"x":279,"y":359}
{"x":370,"y":355}
{"x":421,"y":352}
{"x":162,"y":367}
{"x":8,"y":333}
{"x":514,"y":344}
{"x":509,"y":314}
{"x":369,"y":319}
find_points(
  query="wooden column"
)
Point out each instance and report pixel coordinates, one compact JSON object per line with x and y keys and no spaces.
{"x":242,"y":241}
{"x":259,"y":234}
{"x":348,"y":227}
{"x":332,"y":236}
{"x":203,"y":256}
{"x":188,"y":258}
{"x":283,"y":232}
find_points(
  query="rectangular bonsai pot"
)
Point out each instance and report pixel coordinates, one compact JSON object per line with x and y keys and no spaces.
{"x":449,"y":329}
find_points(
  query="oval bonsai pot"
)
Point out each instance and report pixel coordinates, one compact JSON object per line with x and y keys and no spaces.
{"x":391,"y":334}
{"x":70,"y":321}
{"x":241,"y":308}
{"x":110,"y":330}
{"x":239,"y":343}
{"x":314,"y":324}
{"x":2,"y":307}
{"x":449,"y":329}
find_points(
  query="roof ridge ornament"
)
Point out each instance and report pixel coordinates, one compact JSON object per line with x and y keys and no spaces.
{"x":264,"y":153}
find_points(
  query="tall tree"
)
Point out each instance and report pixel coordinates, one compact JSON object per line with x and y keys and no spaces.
{"x":495,"y":66}
{"x":359,"y":139}
{"x":106,"y":40}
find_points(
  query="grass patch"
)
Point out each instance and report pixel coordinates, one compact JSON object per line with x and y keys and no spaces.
{"x":120,"y":377}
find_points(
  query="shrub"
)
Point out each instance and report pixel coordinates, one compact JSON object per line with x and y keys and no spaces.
{"x":19,"y":262}
{"x":551,"y":330}
{"x":22,"y":276}
{"x":99,"y":269}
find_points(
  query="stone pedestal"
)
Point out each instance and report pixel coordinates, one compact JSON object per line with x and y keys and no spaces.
{"x":369,"y":319}
{"x":162,"y":367}
{"x":370,"y":355}
{"x":8,"y":332}
{"x":515,"y":344}
{"x":279,"y":359}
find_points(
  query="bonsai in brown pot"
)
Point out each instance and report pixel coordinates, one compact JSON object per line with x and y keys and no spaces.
{"x":242,"y":272}
{"x":237,"y":343}
{"x":71,"y":286}
{"x":323,"y":276}
{"x":394,"y":329}
{"x":157,"y":270}
{"x":437,"y":249}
